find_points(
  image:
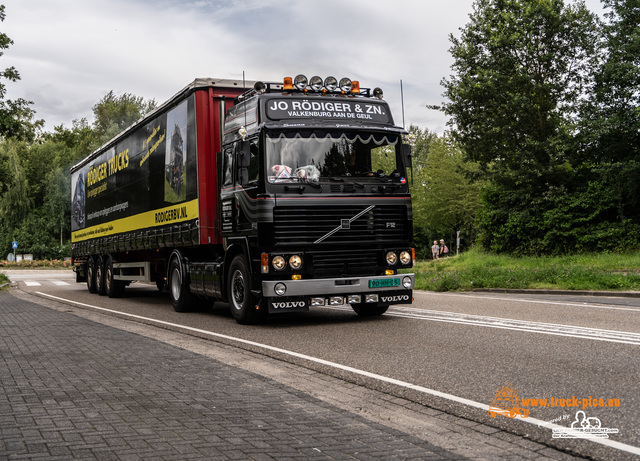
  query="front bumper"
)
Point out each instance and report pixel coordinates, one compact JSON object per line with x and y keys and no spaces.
{"x":337,"y":286}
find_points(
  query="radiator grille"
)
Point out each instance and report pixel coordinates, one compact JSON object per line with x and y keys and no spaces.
{"x":345,"y":263}
{"x":306,"y":225}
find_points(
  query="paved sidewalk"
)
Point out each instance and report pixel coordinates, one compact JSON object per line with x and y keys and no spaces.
{"x":72,"y":388}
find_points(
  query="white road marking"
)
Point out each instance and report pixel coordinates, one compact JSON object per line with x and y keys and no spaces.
{"x":598,"y":334}
{"x":535,"y":301}
{"x":31,"y":283}
{"x":571,"y":331}
{"x":537,"y":422}
{"x":59,"y":283}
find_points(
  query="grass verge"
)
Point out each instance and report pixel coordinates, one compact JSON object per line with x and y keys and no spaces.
{"x":476,"y":269}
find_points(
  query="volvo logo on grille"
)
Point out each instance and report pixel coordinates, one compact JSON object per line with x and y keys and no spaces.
{"x":345,"y":224}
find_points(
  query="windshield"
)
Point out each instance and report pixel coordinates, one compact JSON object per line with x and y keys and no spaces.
{"x":328,"y":156}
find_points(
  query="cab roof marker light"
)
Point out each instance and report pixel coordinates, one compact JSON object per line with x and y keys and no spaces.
{"x":288,"y":84}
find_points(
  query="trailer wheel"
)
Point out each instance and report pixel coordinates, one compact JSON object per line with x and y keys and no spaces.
{"x":369,"y":309}
{"x":181,"y":297}
{"x":90,"y":270}
{"x":100,"y":288}
{"x":242,"y":304}
{"x":113,"y":288}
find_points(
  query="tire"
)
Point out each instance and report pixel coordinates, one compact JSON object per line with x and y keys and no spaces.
{"x":241,"y":302}
{"x":100,"y":288}
{"x":113,"y":288}
{"x":90,"y":270}
{"x":181,"y":297}
{"x":369,"y":309}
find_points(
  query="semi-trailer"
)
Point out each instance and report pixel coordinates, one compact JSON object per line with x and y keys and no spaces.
{"x":277,"y":198}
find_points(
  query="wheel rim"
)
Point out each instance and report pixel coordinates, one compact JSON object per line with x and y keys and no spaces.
{"x":176,"y":283}
{"x":99,"y":276}
{"x":107,"y":278}
{"x":237,"y":290}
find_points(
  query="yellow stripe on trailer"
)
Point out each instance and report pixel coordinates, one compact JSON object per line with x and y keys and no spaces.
{"x":181,"y":212}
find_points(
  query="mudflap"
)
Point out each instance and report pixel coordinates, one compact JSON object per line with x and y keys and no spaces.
{"x":288,"y":304}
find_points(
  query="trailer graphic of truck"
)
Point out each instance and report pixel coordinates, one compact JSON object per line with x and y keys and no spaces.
{"x":174,"y":168}
{"x":232,"y":226}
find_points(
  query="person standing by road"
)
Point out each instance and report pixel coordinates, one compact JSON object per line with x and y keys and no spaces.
{"x":444,"y":250}
{"x":435,"y":250}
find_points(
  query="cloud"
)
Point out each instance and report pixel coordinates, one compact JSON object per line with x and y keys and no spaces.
{"x":70,"y":53}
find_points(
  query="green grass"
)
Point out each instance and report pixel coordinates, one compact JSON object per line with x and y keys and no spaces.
{"x":476,"y":269}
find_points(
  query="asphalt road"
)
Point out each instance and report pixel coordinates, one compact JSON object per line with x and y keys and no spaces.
{"x":448,"y":351}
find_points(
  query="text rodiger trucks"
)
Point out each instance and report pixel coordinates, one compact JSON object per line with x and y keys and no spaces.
{"x":277,"y":199}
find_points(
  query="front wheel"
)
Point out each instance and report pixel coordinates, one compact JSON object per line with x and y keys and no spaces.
{"x":243,"y":307}
{"x":181,"y":297}
{"x":369,"y":309}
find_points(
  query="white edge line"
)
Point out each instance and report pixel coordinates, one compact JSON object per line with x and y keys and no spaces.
{"x":537,"y":422}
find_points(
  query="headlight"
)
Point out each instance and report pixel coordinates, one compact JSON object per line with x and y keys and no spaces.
{"x":280,"y":289}
{"x":346,"y":85}
{"x":316,"y":83}
{"x":295,"y":262}
{"x":278,"y":263}
{"x":405,"y":257}
{"x":330,"y":83}
{"x":392,"y":258}
{"x":406,"y":282}
{"x":300,"y":82}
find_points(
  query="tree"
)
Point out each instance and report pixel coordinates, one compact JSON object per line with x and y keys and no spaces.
{"x":612,"y":115}
{"x":115,"y":113}
{"x":445,"y":193}
{"x":16,"y":117}
{"x":521,"y":70}
{"x":520,"y":67}
{"x":16,"y":201}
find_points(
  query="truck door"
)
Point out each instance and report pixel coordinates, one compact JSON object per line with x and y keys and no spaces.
{"x":239,"y":184}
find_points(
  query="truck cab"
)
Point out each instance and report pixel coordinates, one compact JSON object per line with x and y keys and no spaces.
{"x":314,"y":200}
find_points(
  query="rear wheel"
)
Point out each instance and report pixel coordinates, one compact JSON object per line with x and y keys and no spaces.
{"x":90,"y":270}
{"x":113,"y":288}
{"x":100,"y":286}
{"x":369,"y":309}
{"x":241,"y":302}
{"x":181,"y":297}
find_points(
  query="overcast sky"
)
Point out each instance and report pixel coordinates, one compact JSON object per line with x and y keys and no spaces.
{"x":70,"y":53}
